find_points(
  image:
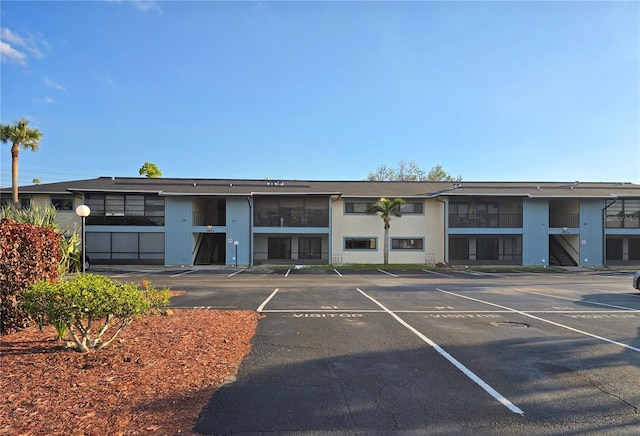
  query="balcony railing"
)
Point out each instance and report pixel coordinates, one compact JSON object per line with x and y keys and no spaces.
{"x":288,"y":218}
{"x":513,"y":220}
{"x":571,"y":221}
{"x":628,"y":221}
{"x":205,"y":218}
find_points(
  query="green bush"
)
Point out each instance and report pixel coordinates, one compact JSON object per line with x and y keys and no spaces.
{"x":28,"y":253}
{"x":94,"y":308}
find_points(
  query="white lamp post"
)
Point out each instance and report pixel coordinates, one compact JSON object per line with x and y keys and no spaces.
{"x":236,"y":243}
{"x":83,"y":212}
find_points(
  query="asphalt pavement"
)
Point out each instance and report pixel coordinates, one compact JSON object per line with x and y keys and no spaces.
{"x":423,"y":352}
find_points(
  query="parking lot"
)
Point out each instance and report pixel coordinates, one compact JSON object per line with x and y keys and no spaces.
{"x":423,"y":352}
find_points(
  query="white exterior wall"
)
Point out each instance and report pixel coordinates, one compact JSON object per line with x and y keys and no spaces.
{"x":428,"y":226}
{"x":67,"y":220}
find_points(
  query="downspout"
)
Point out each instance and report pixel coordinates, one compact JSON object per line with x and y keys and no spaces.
{"x":604,"y":236}
{"x":250,"y":232}
{"x":444,"y":231}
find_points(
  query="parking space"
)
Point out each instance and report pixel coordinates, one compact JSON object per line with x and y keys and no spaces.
{"x":446,"y":352}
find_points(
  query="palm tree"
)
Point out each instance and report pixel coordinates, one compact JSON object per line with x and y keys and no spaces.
{"x":386,"y":208}
{"x":19,"y":134}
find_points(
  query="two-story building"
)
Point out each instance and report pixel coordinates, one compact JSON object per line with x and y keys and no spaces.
{"x":250,"y":222}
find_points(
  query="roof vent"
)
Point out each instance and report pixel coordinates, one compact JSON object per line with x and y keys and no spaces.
{"x":194,"y":184}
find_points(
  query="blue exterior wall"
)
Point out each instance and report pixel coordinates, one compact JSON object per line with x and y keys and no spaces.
{"x":178,"y":241}
{"x":591,"y":232}
{"x":535,"y":232}
{"x":238,"y":229}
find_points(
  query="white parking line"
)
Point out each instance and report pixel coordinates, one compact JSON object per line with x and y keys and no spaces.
{"x":437,"y":273}
{"x":527,"y":314}
{"x":337,"y":272}
{"x":233,"y":274}
{"x":287,"y":274}
{"x":480,"y":273}
{"x":189,"y":271}
{"x":387,"y":272}
{"x":495,"y":394}
{"x":264,"y":303}
{"x":614,"y":306}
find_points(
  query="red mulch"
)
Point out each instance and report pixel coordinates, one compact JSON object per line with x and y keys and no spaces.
{"x":153,"y":380}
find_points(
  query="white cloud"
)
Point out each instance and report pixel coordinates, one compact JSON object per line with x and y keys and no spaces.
{"x":45,"y":100}
{"x":9,"y":36}
{"x":15,"y":47}
{"x":53,"y":84}
{"x":142,"y":5}
{"x":146,"y":5}
{"x":10,"y":54}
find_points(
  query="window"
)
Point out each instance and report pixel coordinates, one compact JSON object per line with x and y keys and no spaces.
{"x":624,"y":213}
{"x":357,"y":206}
{"x":62,"y":202}
{"x":410,"y":207}
{"x":310,"y":248}
{"x":487,"y":248}
{"x":25,"y":202}
{"x":291,"y":211}
{"x":360,"y":243}
{"x":125,"y":210}
{"x":407,"y":243}
{"x":279,"y":248}
{"x":634,"y":248}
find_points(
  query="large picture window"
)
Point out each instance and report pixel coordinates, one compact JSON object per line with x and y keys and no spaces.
{"x":125,"y":209}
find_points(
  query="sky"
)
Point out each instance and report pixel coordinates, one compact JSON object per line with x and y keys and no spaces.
{"x":323,"y":90}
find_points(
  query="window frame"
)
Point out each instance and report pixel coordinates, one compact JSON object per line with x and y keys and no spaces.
{"x":153,"y":209}
{"x":351,"y":203}
{"x":414,"y":203}
{"x":404,"y":238}
{"x":360,"y":238}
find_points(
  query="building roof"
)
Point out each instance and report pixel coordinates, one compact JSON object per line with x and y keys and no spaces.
{"x":348,"y":189}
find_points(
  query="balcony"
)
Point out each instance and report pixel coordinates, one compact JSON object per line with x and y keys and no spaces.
{"x":290,"y":218}
{"x":208,"y":218}
{"x":626,"y":221}
{"x":570,"y":221}
{"x":511,"y":221}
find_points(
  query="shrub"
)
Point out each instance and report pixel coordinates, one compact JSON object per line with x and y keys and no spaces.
{"x":28,"y":253}
{"x":46,"y":217}
{"x":94,"y":308}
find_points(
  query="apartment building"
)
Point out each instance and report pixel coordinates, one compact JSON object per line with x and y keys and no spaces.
{"x":232,"y":222}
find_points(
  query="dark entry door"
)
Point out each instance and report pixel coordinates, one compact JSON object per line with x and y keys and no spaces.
{"x":279,"y":248}
{"x":309,"y":248}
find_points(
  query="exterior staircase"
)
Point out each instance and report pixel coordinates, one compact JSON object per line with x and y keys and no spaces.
{"x":558,"y":256}
{"x":207,"y":250}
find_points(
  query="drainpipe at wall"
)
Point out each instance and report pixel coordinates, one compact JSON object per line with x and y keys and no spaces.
{"x":444,"y":232}
{"x":604,"y":235}
{"x":250,"y":232}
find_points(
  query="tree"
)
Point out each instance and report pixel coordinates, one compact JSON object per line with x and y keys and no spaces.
{"x":437,"y":174}
{"x":410,"y":172}
{"x":386,"y":208}
{"x":150,"y":170}
{"x":19,"y":134}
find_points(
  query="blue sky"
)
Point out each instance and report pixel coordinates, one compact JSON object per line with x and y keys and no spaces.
{"x":492,"y":91}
